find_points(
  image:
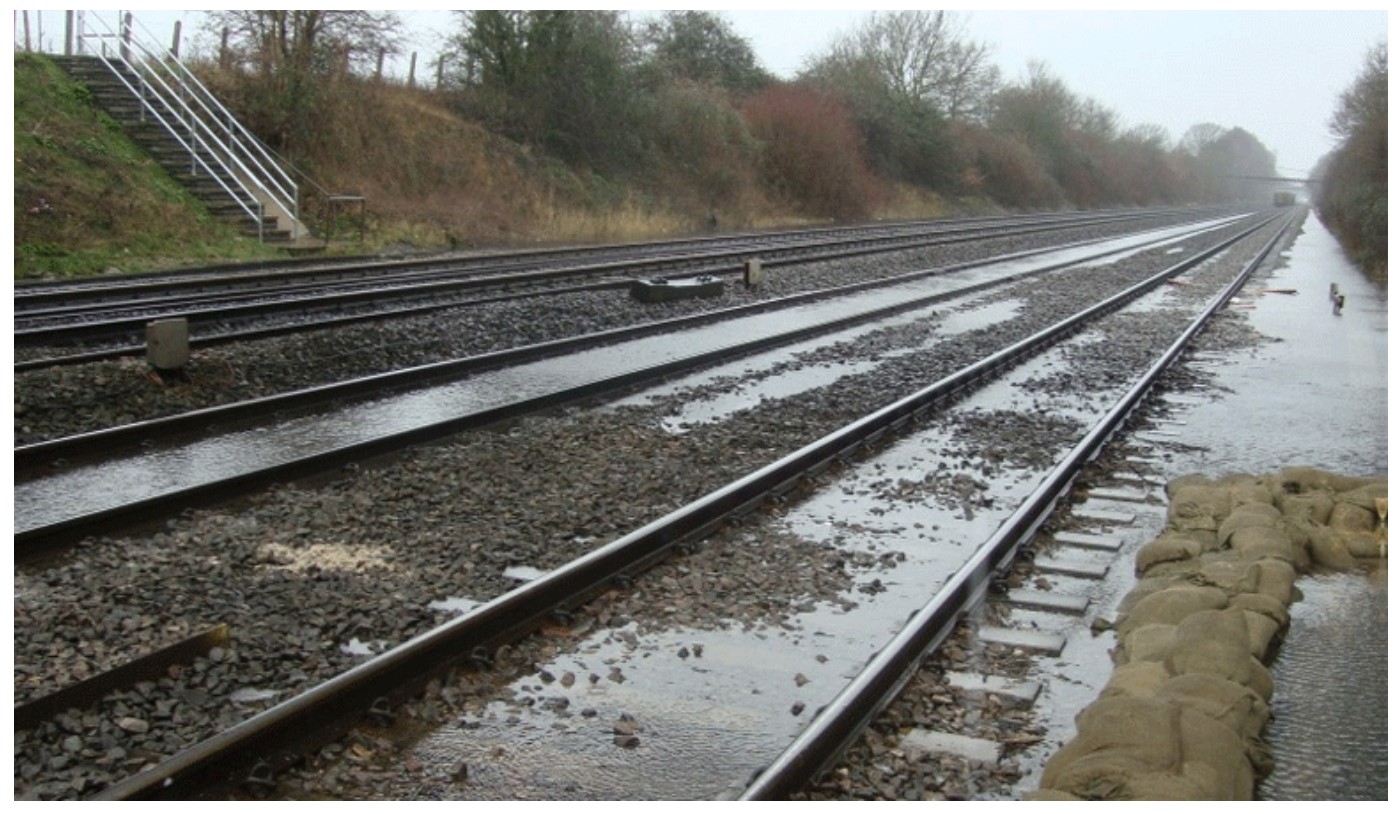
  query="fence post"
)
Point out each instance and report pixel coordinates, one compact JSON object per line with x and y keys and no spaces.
{"x":412,"y":64}
{"x":68,"y":33}
{"x":27,"y":49}
{"x":126,"y":37}
{"x":379,"y":67}
{"x":175,"y":41}
{"x":442,"y":60}
{"x":223,"y":50}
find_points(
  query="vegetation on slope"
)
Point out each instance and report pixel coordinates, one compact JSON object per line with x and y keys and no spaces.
{"x":1352,"y":200}
{"x":568,"y":126}
{"x":88,"y":199}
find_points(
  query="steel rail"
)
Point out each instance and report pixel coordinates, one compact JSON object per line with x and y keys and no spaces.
{"x":264,"y":744}
{"x":175,"y":289}
{"x":84,"y":446}
{"x":841,"y":721}
{"x":719,"y":262}
{"x":117,"y":318}
{"x":276,"y":272}
{"x":279,"y":271}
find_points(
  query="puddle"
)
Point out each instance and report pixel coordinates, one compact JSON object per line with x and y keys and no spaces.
{"x":454,"y":605}
{"x":524,"y":573}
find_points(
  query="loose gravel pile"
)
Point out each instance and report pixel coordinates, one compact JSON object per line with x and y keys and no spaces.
{"x":303,"y":570}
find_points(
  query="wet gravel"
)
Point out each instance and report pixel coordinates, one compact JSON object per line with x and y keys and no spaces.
{"x":66,"y":400}
{"x":311,"y":577}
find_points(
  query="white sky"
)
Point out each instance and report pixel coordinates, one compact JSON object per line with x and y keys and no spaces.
{"x":1275,"y":73}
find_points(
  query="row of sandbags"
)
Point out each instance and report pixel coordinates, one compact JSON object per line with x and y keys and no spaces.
{"x":1183,"y":713}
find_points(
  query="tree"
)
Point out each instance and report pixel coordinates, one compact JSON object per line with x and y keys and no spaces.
{"x":307,"y":40}
{"x":921,"y":58}
{"x":1199,"y":135}
{"x":905,"y":76}
{"x":702,"y":47}
{"x":285,"y":59}
{"x":1040,"y":112}
{"x":1234,"y":163}
{"x":563,"y":80}
{"x":1354,"y":188}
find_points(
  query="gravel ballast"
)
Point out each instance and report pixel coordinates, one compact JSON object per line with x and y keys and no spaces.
{"x":305,"y":569}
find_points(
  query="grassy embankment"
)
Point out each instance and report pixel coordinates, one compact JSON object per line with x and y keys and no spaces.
{"x":87,"y":199}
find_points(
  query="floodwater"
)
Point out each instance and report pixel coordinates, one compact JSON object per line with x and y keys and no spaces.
{"x":1329,"y":734}
{"x":1313,"y":394}
{"x":718,"y":705}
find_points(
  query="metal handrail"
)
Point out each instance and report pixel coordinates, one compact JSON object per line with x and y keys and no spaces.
{"x":222,"y":117}
{"x":241,"y":200}
{"x":199,"y":130}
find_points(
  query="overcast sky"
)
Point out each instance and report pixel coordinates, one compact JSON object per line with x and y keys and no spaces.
{"x":1274,"y":73}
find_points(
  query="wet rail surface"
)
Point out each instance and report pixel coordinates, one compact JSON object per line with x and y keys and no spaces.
{"x":160,"y":432}
{"x":221,"y":316}
{"x":35,"y":298}
{"x":713,"y":651}
{"x":58,"y":507}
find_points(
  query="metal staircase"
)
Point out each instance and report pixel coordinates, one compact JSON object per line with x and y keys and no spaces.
{"x":173,"y":116}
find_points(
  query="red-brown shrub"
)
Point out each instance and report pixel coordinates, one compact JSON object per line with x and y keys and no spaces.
{"x":812,"y":154}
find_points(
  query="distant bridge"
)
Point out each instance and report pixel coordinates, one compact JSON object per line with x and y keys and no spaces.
{"x":1273,"y":178}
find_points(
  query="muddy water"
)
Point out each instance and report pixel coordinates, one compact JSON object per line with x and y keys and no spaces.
{"x":1329,"y":733}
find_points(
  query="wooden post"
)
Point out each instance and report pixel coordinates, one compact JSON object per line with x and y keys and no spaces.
{"x":442,"y":59}
{"x":126,"y":36}
{"x":175,"y":41}
{"x":379,"y":66}
{"x":68,"y":33}
{"x":412,"y":63}
{"x":26,"y":31}
{"x":223,"y":49}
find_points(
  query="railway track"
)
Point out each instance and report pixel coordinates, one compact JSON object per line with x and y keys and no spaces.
{"x":270,"y":741}
{"x":156,"y":476}
{"x":109,"y":320}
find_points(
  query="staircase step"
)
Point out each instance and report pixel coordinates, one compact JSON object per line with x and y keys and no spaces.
{"x":114,"y":96}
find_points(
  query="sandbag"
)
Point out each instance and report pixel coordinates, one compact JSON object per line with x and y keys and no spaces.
{"x":1170,"y":606}
{"x":1233,"y":705}
{"x":1138,"y":748}
{"x":1169,"y":547}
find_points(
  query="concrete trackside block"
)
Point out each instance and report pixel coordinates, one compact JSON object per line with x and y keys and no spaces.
{"x":1125,"y":495}
{"x":168,"y":343}
{"x":1105,"y":516}
{"x":946,"y":743}
{"x":1022,"y":693}
{"x":1139,"y":480}
{"x":1097,"y":542}
{"x":1047,"y":600}
{"x":1032,"y":640}
{"x":1071,"y":567}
